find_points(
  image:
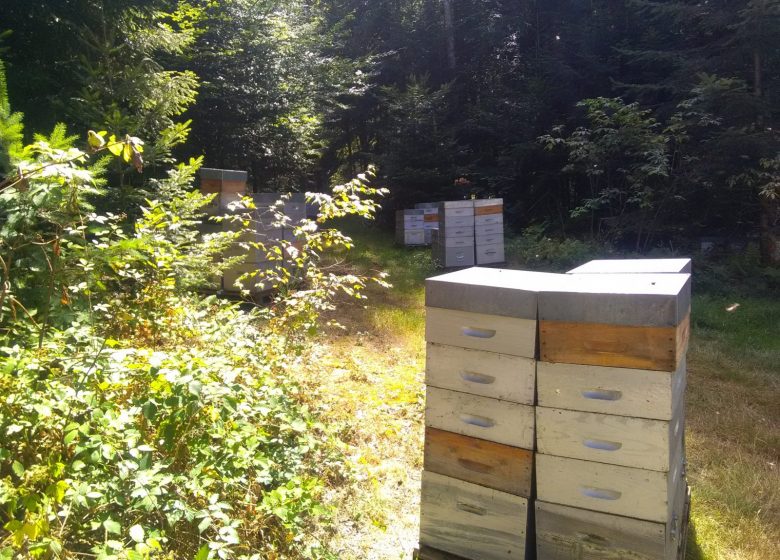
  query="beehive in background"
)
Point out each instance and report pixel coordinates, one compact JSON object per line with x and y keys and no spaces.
{"x":480,"y":374}
{"x":270,"y":222}
{"x":489,"y":231}
{"x":454,"y":243}
{"x":610,"y":417}
{"x":410,"y":227}
{"x":431,"y":219}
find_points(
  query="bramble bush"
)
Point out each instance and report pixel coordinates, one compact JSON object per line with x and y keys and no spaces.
{"x":138,"y":418}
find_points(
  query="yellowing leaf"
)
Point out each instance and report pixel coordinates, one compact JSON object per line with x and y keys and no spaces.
{"x":113,"y":146}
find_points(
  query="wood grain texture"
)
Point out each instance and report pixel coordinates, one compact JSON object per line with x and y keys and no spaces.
{"x":567,"y":533}
{"x":493,"y":465}
{"x":610,"y":390}
{"x":471,"y":521}
{"x":428,"y":553}
{"x":234,"y":187}
{"x":480,"y":417}
{"x":488,"y":210}
{"x":605,"y":438}
{"x":488,"y":374}
{"x":649,"y":348}
{"x":492,"y":333}
{"x":637,"y":493}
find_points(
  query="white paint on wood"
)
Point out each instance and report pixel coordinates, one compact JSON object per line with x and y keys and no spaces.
{"x":492,"y":333}
{"x":490,"y":254}
{"x":637,"y":493}
{"x":610,"y":390}
{"x":481,"y":417}
{"x":604,"y":438}
{"x":471,"y":521}
{"x":488,"y":219}
{"x":498,"y":376}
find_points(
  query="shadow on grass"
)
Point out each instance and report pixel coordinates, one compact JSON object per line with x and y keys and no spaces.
{"x":693,"y":550}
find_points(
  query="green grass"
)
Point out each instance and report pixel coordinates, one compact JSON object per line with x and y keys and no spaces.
{"x":733,"y":400}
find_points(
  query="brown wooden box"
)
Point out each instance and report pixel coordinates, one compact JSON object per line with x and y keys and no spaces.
{"x":489,"y":464}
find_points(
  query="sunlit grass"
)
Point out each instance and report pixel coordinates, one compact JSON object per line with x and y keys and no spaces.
{"x":371,"y":380}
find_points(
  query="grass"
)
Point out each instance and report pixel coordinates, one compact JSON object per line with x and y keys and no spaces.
{"x":368,"y":378}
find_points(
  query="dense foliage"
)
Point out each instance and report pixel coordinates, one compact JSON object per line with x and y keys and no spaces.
{"x":447,"y":98}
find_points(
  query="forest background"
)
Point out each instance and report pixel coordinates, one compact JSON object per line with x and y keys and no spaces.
{"x":640,"y":123}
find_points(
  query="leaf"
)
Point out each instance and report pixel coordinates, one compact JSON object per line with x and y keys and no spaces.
{"x":203,"y":525}
{"x":113,"y":146}
{"x":18,"y":468}
{"x":112,"y":526}
{"x":137,"y":533}
{"x":95,"y":140}
{"x":127,"y":152}
{"x":203,"y":553}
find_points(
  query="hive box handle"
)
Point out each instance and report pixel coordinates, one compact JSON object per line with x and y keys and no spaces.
{"x":602,"y":395}
{"x":480,"y":421}
{"x":600,"y":493}
{"x":469,"y":508}
{"x":602,"y":445}
{"x":477,"y":333}
{"x":474,"y":377}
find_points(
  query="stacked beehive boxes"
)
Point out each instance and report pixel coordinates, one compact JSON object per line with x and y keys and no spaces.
{"x":489,"y":231}
{"x":266,"y":227}
{"x":410,"y":227}
{"x":454,"y":243}
{"x":610,"y":415}
{"x":431,"y":219}
{"x":481,"y":333}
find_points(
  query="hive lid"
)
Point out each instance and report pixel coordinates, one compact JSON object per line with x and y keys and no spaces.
{"x":491,"y":291}
{"x":489,"y":202}
{"x":620,"y":299}
{"x":457,"y":204}
{"x":633,"y":266}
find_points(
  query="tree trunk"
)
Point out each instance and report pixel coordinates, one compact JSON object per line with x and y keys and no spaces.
{"x":449,"y":30}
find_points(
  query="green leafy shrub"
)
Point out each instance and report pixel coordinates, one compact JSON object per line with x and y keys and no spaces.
{"x":140,"y":419}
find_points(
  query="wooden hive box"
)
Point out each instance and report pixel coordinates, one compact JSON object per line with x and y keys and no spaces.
{"x":638,"y":321}
{"x":610,"y":390}
{"x":471,"y":521}
{"x":485,"y":309}
{"x":569,"y":533}
{"x":625,"y":491}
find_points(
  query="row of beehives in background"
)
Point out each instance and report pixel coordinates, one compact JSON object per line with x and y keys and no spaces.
{"x":563,"y":393}
{"x":270,"y":224}
{"x":461,"y":232}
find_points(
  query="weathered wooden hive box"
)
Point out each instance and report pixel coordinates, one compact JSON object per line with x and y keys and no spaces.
{"x":563,"y":393}
{"x":454,"y":245}
{"x":480,"y":373}
{"x":272,"y":221}
{"x":489,"y":231}
{"x":610,"y":419}
{"x":410,"y":227}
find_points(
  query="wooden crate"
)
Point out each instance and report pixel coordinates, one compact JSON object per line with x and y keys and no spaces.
{"x":489,"y":464}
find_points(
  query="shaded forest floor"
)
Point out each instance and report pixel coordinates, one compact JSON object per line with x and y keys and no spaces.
{"x":368,"y":379}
